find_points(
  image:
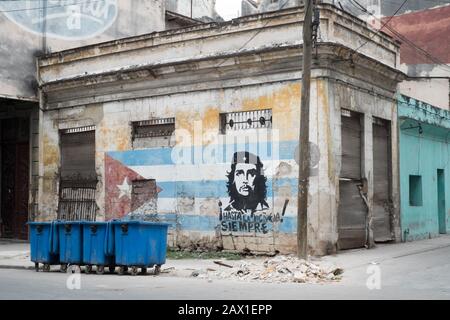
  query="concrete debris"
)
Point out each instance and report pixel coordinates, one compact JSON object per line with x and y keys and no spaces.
{"x":195,"y":274}
{"x":223,"y":264}
{"x":282,"y":269}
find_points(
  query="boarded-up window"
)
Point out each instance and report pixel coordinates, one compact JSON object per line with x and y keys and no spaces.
{"x":78,"y":154}
{"x":78,"y":181}
{"x":77,"y":200}
{"x":144,"y":197}
{"x":154,"y":133}
{"x":235,"y":121}
{"x":351,"y":145}
{"x":415,"y":191}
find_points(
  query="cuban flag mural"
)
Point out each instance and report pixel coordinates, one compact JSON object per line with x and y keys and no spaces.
{"x":242,"y":190}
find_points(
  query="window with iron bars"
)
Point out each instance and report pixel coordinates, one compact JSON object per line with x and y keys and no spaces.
{"x":245,"y":120}
{"x":78,"y":177}
{"x":153,"y":133}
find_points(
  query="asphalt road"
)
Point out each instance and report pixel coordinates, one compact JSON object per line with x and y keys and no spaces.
{"x":414,"y":275}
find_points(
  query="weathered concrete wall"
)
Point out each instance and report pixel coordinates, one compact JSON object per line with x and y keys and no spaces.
{"x":209,"y":41}
{"x":422,"y":153}
{"x":67,"y":26}
{"x":195,"y":74}
{"x":435,"y":92}
{"x":190,"y":192}
{"x":357,"y":96}
{"x":428,"y":56}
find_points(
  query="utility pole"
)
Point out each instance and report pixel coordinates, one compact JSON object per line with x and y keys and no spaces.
{"x":304,"y":157}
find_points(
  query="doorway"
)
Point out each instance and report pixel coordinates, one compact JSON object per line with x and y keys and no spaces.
{"x":15,"y":166}
{"x":352,"y":210}
{"x":441,"y":200}
{"x":78,"y":182}
{"x":382,"y":203}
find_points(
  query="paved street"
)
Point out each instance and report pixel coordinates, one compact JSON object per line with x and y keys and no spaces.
{"x":418,"y":270}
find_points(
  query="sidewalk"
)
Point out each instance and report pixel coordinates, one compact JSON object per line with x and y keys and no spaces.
{"x":16,"y":255}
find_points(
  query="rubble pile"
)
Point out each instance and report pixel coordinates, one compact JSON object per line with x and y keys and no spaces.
{"x":281,"y":269}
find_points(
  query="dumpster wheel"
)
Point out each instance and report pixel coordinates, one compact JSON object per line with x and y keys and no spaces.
{"x":112,"y":269}
{"x":46,"y":267}
{"x":36,"y":266}
{"x":100,"y":269}
{"x":123,"y":270}
{"x":63,"y":268}
{"x":157,"y":269}
{"x":88,"y":269}
{"x":134,"y":270}
{"x":144,"y":271}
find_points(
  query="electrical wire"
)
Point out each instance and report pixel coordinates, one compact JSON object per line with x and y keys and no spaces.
{"x":440,"y":64}
{"x":382,"y":27}
{"x":260,"y":30}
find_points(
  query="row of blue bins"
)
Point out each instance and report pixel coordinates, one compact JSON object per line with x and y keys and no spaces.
{"x":128,"y":245}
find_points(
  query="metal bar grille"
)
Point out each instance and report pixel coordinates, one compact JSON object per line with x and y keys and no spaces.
{"x":78,"y":130}
{"x":77,"y":200}
{"x":153,"y":128}
{"x":245,"y":120}
{"x":153,"y":122}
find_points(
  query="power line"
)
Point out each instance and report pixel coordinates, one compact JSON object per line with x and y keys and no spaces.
{"x":256,"y":33}
{"x":400,"y":36}
{"x":415,"y":46}
{"x":360,"y":7}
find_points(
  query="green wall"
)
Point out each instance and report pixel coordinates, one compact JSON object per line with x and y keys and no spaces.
{"x":422,"y":154}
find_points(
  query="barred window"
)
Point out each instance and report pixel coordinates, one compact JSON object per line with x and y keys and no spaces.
{"x":235,"y":121}
{"x":153,"y":133}
{"x":78,"y":177}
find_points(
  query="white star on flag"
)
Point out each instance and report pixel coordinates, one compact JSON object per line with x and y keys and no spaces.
{"x":125,"y":189}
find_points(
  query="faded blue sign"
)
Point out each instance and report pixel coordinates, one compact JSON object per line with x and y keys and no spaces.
{"x":64,"y":19}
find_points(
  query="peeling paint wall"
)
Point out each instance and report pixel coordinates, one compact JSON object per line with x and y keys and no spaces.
{"x":424,"y":150}
{"x":356,"y":96}
{"x":22,"y":40}
{"x":188,"y":193}
{"x":194,"y":75}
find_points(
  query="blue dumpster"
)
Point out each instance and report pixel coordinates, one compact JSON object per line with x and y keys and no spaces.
{"x":139,"y":244}
{"x":43,"y":244}
{"x":70,"y":243}
{"x":98,"y":246}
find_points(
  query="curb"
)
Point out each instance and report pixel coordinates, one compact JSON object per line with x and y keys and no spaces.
{"x":16,"y":267}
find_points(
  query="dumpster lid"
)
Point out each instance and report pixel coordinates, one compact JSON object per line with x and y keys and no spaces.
{"x":163,"y":224}
{"x":94,"y":222}
{"x":34,"y":223}
{"x":70,"y":222}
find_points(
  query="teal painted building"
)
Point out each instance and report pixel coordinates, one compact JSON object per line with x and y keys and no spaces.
{"x":424,"y":169}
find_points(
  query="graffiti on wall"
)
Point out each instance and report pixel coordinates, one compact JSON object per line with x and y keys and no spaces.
{"x":63,"y":19}
{"x":242,"y":193}
{"x":247,"y":210}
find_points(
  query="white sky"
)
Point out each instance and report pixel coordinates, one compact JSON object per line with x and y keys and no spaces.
{"x":228,"y":9}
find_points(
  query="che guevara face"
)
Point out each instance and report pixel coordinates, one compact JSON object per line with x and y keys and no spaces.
{"x":244,"y":178}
